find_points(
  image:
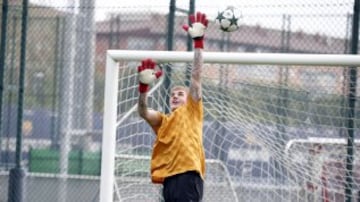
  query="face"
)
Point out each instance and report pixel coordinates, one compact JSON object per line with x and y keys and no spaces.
{"x":178,"y":98}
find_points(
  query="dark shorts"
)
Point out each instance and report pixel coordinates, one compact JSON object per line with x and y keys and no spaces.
{"x":184,"y":187}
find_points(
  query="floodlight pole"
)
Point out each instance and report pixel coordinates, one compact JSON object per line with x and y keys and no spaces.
{"x":170,"y":42}
{"x":5,"y":9}
{"x":17,"y":174}
{"x":66,"y":99}
{"x":352,"y":102}
{"x":189,"y":44}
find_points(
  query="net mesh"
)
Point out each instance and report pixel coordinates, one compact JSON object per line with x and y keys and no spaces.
{"x":262,"y":130}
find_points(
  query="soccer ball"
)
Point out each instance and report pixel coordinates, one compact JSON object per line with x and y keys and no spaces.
{"x":228,"y":19}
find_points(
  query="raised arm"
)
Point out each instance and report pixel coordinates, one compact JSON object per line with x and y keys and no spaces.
{"x":149,"y":115}
{"x":197,"y":31}
{"x":195,"y":82}
{"x":147,"y":75}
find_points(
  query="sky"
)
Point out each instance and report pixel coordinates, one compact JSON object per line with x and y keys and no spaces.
{"x":316,"y":16}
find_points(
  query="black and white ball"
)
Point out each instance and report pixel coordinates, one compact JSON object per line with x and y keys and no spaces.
{"x":228,"y":19}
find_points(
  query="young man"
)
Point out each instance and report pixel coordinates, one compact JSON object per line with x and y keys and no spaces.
{"x":178,"y":158}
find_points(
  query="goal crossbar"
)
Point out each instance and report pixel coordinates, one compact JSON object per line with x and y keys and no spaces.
{"x":241,"y":58}
{"x":318,"y":140}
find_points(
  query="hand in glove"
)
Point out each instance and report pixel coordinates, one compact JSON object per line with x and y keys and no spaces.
{"x":147,"y":74}
{"x":197,"y":28}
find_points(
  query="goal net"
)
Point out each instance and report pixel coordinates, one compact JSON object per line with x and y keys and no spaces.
{"x":132,"y":180}
{"x":323,"y":161}
{"x":276,"y":126}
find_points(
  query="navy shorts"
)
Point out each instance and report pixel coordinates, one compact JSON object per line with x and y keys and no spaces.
{"x":183,"y":187}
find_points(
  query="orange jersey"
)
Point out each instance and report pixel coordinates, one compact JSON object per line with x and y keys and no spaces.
{"x":179,"y":143}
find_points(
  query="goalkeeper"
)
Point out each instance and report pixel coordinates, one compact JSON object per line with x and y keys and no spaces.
{"x":178,"y":158}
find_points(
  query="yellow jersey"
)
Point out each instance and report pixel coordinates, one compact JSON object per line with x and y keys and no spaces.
{"x":178,"y":146}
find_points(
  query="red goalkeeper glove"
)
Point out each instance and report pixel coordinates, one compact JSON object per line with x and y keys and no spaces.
{"x":197,"y":28}
{"x":147,"y":74}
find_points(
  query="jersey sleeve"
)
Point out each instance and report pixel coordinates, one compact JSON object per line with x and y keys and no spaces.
{"x":196,"y":107}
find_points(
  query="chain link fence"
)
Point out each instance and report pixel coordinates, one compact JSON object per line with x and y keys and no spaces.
{"x":65,"y":66}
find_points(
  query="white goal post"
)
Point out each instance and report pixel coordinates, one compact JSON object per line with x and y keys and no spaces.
{"x":111,"y":119}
